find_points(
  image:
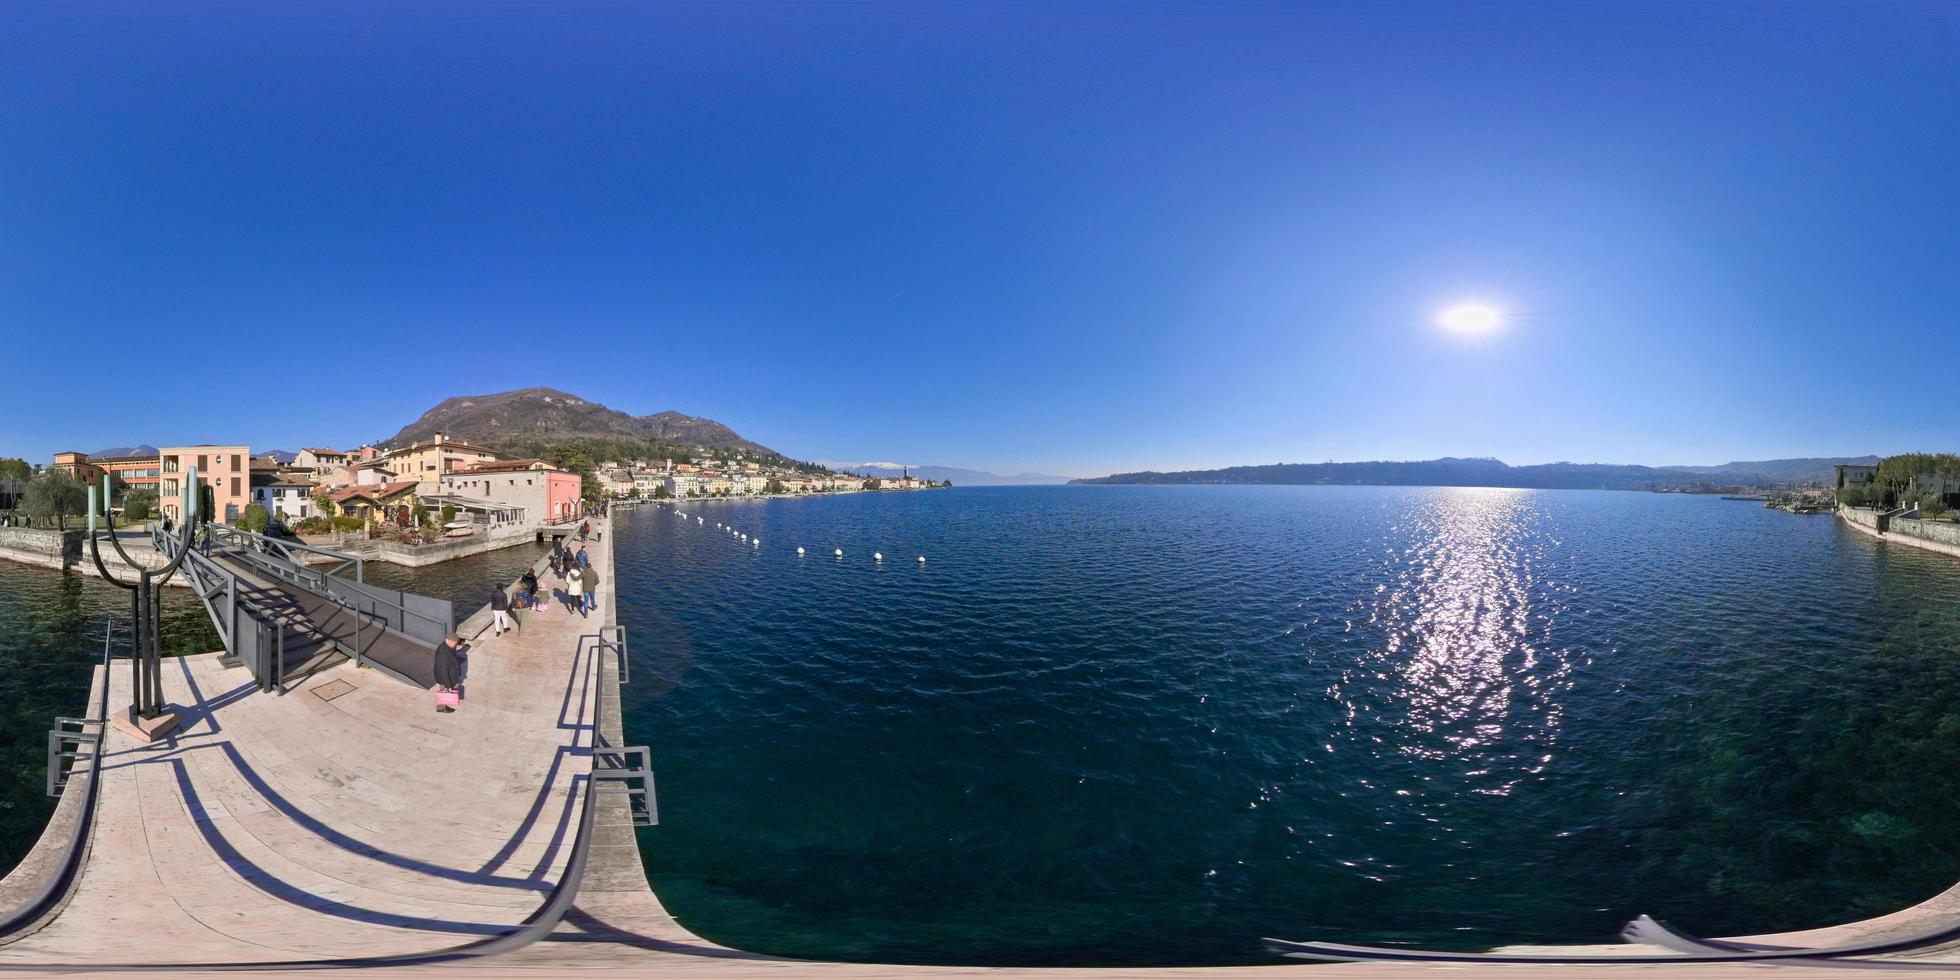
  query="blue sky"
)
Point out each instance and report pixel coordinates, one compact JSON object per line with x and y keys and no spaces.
{"x":1074,"y":238}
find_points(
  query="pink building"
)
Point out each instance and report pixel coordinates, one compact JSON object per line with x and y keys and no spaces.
{"x":545,"y":492}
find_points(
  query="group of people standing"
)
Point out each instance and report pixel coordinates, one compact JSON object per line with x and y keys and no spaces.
{"x":581,"y":579}
{"x":581,"y":594}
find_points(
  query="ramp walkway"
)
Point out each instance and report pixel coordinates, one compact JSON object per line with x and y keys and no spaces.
{"x":284,"y":617}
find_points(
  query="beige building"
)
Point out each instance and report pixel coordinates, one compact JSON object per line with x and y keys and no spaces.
{"x":227,"y":470}
{"x":427,"y":462}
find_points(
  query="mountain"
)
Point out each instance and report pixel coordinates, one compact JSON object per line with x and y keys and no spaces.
{"x":960,"y":477}
{"x":1486,"y":472}
{"x":1808,"y":469}
{"x":526,"y":419}
{"x":142,"y":449}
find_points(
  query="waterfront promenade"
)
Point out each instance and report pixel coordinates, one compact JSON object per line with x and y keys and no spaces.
{"x":348,"y":818}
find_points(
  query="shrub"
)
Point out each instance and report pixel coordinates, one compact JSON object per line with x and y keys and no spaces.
{"x":255,"y":519}
{"x":448,"y":513}
{"x":346,"y":523}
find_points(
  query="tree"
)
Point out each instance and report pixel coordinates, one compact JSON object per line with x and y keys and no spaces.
{"x":420,"y":512}
{"x":255,"y":519}
{"x":139,"y":505}
{"x":15,"y":469}
{"x":773,"y":486}
{"x":448,"y":514}
{"x":874,"y":484}
{"x":323,"y":503}
{"x":661,"y":492}
{"x":578,"y":460}
{"x":56,"y":495}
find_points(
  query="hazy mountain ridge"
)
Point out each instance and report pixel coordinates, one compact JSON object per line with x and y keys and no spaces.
{"x":1452,"y":471}
{"x":960,"y":477}
{"x":531,"y":416}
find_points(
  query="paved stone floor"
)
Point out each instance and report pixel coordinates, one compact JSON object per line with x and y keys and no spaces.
{"x":298,"y":827}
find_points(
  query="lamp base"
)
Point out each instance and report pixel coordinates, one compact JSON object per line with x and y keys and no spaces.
{"x":143,"y":729}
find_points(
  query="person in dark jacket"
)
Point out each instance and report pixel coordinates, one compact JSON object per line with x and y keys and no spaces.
{"x":589,"y":581}
{"x":449,"y":667}
{"x":499,"y":611}
{"x":528,"y":585}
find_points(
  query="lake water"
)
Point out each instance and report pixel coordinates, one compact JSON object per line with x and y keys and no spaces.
{"x":1154,"y":724}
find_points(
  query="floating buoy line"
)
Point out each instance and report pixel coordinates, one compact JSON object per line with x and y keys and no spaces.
{"x":877,"y":557}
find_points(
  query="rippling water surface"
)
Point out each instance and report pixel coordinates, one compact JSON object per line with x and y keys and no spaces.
{"x":1139,"y":724}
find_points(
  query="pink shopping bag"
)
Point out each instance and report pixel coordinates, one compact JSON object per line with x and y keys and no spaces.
{"x":447,"y":699}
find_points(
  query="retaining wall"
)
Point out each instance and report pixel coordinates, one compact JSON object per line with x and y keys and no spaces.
{"x":62,"y":551}
{"x":1940,"y":536}
{"x":418,"y":555}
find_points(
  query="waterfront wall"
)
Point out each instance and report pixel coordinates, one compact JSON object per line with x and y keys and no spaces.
{"x":1913,"y":532}
{"x":41,"y":541}
{"x":63,"y":551}
{"x":418,"y":555}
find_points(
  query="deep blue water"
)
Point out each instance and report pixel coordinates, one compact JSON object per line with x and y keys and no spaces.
{"x":1154,"y":724}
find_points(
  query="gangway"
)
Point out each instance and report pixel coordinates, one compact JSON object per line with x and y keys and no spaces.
{"x":283,"y":618}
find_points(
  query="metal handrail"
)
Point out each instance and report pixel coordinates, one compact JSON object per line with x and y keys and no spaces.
{"x":54,"y":891}
{"x":261,"y":553}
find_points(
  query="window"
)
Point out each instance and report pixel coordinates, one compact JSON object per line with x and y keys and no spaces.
{"x":234,"y":485}
{"x":234,"y":462}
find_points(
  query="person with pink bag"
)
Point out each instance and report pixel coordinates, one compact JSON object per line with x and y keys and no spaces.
{"x":449,"y":673}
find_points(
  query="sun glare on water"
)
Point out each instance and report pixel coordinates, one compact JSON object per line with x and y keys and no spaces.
{"x":1470,"y":318}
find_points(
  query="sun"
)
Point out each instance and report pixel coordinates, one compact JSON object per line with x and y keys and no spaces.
{"x":1470,"y":318}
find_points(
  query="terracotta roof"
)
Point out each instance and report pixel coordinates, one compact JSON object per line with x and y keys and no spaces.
{"x":446,"y":443}
{"x":505,"y":464}
{"x":316,"y":451}
{"x":379,"y":493}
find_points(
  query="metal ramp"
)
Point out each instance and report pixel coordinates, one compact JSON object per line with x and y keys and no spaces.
{"x":282,"y":618}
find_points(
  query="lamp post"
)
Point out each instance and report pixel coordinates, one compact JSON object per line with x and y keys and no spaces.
{"x":148,"y":718}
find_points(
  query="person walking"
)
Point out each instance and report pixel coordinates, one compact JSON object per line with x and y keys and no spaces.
{"x":449,"y":672}
{"x":575,"y":590}
{"x":583,"y":561}
{"x":528,"y":586}
{"x":499,"y":611}
{"x":590,"y":581}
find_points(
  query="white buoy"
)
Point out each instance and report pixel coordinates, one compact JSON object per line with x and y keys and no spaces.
{"x":840,"y":552}
{"x":799,"y":552}
{"x":877,"y":556}
{"x":756,"y":543}
{"x":922,"y":559}
{"x":700,"y":520}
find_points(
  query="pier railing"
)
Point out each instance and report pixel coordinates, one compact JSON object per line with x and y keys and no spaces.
{"x":66,"y":871}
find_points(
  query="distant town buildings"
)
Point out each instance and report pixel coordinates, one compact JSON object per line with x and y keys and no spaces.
{"x":1853,"y":476}
{"x":400,"y":488}
{"x":223,"y":470}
